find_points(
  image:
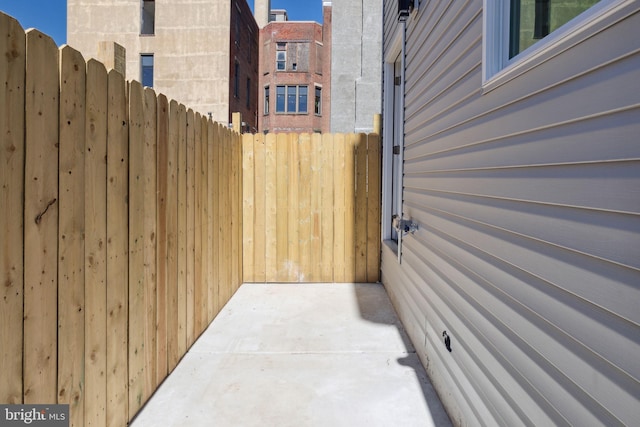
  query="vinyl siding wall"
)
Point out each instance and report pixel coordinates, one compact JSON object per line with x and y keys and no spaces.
{"x":528,"y":202}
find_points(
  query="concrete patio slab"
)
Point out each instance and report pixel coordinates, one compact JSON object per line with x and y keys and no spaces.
{"x":299,"y":355}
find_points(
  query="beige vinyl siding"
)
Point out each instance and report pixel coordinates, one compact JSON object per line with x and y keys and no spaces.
{"x":528,"y":202}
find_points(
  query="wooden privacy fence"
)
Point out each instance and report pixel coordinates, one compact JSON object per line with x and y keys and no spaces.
{"x":311,"y":207}
{"x":120,"y":231}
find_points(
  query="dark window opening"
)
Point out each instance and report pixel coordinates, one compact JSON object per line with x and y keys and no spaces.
{"x":318,"y":101}
{"x":236,"y":80}
{"x":148,"y":17}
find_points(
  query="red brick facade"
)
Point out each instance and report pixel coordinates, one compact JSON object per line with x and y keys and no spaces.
{"x":244,"y":65}
{"x":295,"y":76}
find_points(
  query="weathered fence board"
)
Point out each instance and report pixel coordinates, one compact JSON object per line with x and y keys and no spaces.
{"x":212,"y":266}
{"x":173,"y":355}
{"x":327,"y":208}
{"x":95,"y":257}
{"x":117,"y":251}
{"x":12,"y":125}
{"x":190,"y":228}
{"x":182,"y":231}
{"x":149,"y":245}
{"x":308,"y":208}
{"x":136,"y":249}
{"x":41,"y":220}
{"x":374,"y":207}
{"x":339,"y":184}
{"x":71,"y":234}
{"x":162,"y":282}
{"x":293,"y":232}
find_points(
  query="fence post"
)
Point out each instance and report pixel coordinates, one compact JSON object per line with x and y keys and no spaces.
{"x":377,"y":124}
{"x":236,"y":120}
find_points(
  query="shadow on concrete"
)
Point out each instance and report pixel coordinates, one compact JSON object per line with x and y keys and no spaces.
{"x":375,"y":306}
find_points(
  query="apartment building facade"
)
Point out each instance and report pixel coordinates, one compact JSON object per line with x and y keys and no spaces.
{"x":295,"y":72}
{"x":203,"y":54}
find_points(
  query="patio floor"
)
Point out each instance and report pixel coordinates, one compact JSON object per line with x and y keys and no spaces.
{"x":299,"y":355}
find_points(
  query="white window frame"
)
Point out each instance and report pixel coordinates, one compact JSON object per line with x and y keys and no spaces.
{"x":389,"y":180}
{"x":498,"y":69}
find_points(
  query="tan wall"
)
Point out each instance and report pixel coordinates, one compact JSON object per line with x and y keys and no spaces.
{"x":190,"y":45}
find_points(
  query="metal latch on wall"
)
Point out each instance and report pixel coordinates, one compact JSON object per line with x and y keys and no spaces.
{"x":404,"y":226}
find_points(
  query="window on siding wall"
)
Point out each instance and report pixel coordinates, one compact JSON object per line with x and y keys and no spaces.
{"x":146,"y":70}
{"x":514,"y":28}
{"x":533,"y":20}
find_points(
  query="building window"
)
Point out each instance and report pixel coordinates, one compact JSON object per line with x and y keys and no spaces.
{"x":513,"y":28}
{"x":248,"y":92}
{"x":281,"y":56}
{"x":280,"y":96}
{"x":146,"y":70}
{"x":303,"y":99}
{"x":148,"y":17}
{"x":291,"y":99}
{"x":318,"y":101}
{"x":266,"y":100}
{"x":532,"y":20}
{"x":236,"y":80}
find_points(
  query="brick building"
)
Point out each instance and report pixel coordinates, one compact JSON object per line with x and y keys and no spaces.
{"x":203,"y":54}
{"x":295,"y":73}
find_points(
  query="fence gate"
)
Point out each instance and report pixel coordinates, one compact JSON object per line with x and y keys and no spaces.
{"x":311,"y":207}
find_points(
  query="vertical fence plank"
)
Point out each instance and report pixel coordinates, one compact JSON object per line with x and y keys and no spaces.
{"x":315,"y":209}
{"x":71,"y":234}
{"x":41,"y":220}
{"x":225,"y":219}
{"x":149,"y":155}
{"x":283,"y":261}
{"x":294,"y":270}
{"x":327,"y":207}
{"x":190,"y":228}
{"x":162,"y":283}
{"x":12,"y":128}
{"x":182,"y":231}
{"x":350,"y":207}
{"x":248,"y":220}
{"x":173,"y":355}
{"x":136,"y":249}
{"x":260,"y":208}
{"x":197,"y":224}
{"x":117,"y":251}
{"x":360,"y":222}
{"x":200,"y":228}
{"x":304,"y":206}
{"x":374,"y":204}
{"x":212,"y":262}
{"x":95,"y":257}
{"x":271,"y":236}
{"x":214,"y":293}
{"x":339,"y":232}
{"x":236,"y":213}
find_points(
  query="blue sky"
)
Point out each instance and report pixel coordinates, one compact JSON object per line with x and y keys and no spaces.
{"x":50,"y":16}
